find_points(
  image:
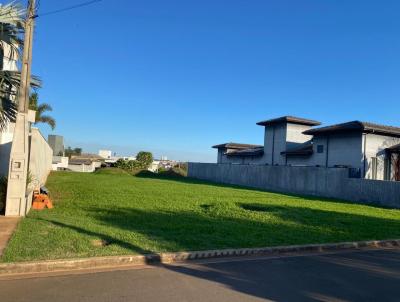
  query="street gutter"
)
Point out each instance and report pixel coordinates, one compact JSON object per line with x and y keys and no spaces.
{"x":119,"y":262}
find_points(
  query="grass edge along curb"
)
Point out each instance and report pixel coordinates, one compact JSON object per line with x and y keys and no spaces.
{"x":7,"y":269}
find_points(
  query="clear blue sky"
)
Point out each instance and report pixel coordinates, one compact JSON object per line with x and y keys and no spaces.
{"x":175,"y":77}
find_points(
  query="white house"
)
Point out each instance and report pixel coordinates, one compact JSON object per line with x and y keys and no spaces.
{"x":8,"y":62}
{"x":60,"y":163}
{"x":154,"y":166}
{"x":83,"y":165}
{"x":106,"y":154}
{"x":367,"y":149}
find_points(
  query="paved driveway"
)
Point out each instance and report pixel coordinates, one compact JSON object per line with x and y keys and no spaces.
{"x":7,"y":228}
{"x":351,"y":276}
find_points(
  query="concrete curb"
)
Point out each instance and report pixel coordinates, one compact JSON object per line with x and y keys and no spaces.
{"x":9,"y":269}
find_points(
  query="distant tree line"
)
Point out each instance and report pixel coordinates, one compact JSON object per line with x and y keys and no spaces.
{"x":69,"y":152}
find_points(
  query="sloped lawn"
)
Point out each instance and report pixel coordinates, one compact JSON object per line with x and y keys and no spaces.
{"x":115,"y":213}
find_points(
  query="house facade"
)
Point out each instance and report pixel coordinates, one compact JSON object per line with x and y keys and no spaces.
{"x":369,"y":150}
{"x":8,"y":62}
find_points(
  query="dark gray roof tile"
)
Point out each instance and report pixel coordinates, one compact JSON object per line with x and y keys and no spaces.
{"x":359,"y":126}
{"x":235,"y":146}
{"x":289,"y":119}
{"x":258,"y":151}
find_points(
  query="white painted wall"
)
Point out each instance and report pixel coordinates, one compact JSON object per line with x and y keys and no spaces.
{"x":6,"y":137}
{"x":82,"y":168}
{"x":60,"y":163}
{"x":40,"y":158}
{"x":105,"y":153}
{"x":295,"y":136}
{"x":10,"y":57}
{"x":154,"y":166}
{"x":375,"y":146}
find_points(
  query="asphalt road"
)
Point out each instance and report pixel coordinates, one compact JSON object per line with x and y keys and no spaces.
{"x":350,"y":276}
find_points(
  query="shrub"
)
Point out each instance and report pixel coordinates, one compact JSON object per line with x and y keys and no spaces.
{"x":121,"y":163}
{"x":142,"y":162}
{"x":182,"y":166}
{"x":144,"y":159}
{"x":179,"y":171}
{"x":112,"y":171}
{"x":161,"y":170}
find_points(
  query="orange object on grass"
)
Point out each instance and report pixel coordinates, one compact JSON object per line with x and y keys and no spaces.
{"x":41,"y":201}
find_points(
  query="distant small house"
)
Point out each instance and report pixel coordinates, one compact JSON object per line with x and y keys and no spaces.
{"x":154,"y":166}
{"x":367,"y":149}
{"x":109,"y":159}
{"x":85,"y":163}
{"x":60,"y":163}
{"x":239,"y":153}
{"x":106,"y":154}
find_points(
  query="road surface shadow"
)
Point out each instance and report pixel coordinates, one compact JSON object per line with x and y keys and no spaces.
{"x":340,"y":277}
{"x":351,"y":276}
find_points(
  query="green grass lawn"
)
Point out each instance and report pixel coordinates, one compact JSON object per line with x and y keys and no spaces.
{"x":112,"y":213}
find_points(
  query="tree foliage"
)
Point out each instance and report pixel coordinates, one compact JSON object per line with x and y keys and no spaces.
{"x":144,"y":159}
{"x":11,"y":29}
{"x":12,"y":24}
{"x":127,"y":164}
{"x":40,"y":110}
{"x":70,"y":152}
{"x":142,"y":162}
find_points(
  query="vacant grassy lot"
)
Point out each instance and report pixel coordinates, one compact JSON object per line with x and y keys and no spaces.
{"x":115,"y":213}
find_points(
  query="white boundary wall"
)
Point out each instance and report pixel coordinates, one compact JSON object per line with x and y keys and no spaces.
{"x":316,"y":181}
{"x":40,"y":158}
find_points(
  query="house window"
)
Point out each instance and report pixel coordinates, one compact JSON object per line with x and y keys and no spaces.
{"x":320,"y":149}
{"x":374,"y":168}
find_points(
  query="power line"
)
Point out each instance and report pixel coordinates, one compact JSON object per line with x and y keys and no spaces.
{"x":68,"y":8}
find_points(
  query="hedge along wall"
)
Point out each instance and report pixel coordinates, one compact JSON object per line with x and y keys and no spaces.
{"x":316,"y":181}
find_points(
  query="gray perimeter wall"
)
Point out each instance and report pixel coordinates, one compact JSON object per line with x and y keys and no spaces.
{"x":316,"y":181}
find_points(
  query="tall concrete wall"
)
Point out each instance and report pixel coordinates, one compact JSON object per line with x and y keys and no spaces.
{"x":316,"y":181}
{"x":40,"y":158}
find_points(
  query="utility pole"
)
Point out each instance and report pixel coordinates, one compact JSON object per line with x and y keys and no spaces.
{"x":24,"y":88}
{"x":17,"y":203}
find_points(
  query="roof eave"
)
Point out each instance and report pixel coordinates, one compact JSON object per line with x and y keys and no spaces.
{"x":289,"y":120}
{"x":245,"y":154}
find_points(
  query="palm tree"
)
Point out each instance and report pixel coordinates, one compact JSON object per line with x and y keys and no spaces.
{"x":40,"y":109}
{"x":11,"y":29}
